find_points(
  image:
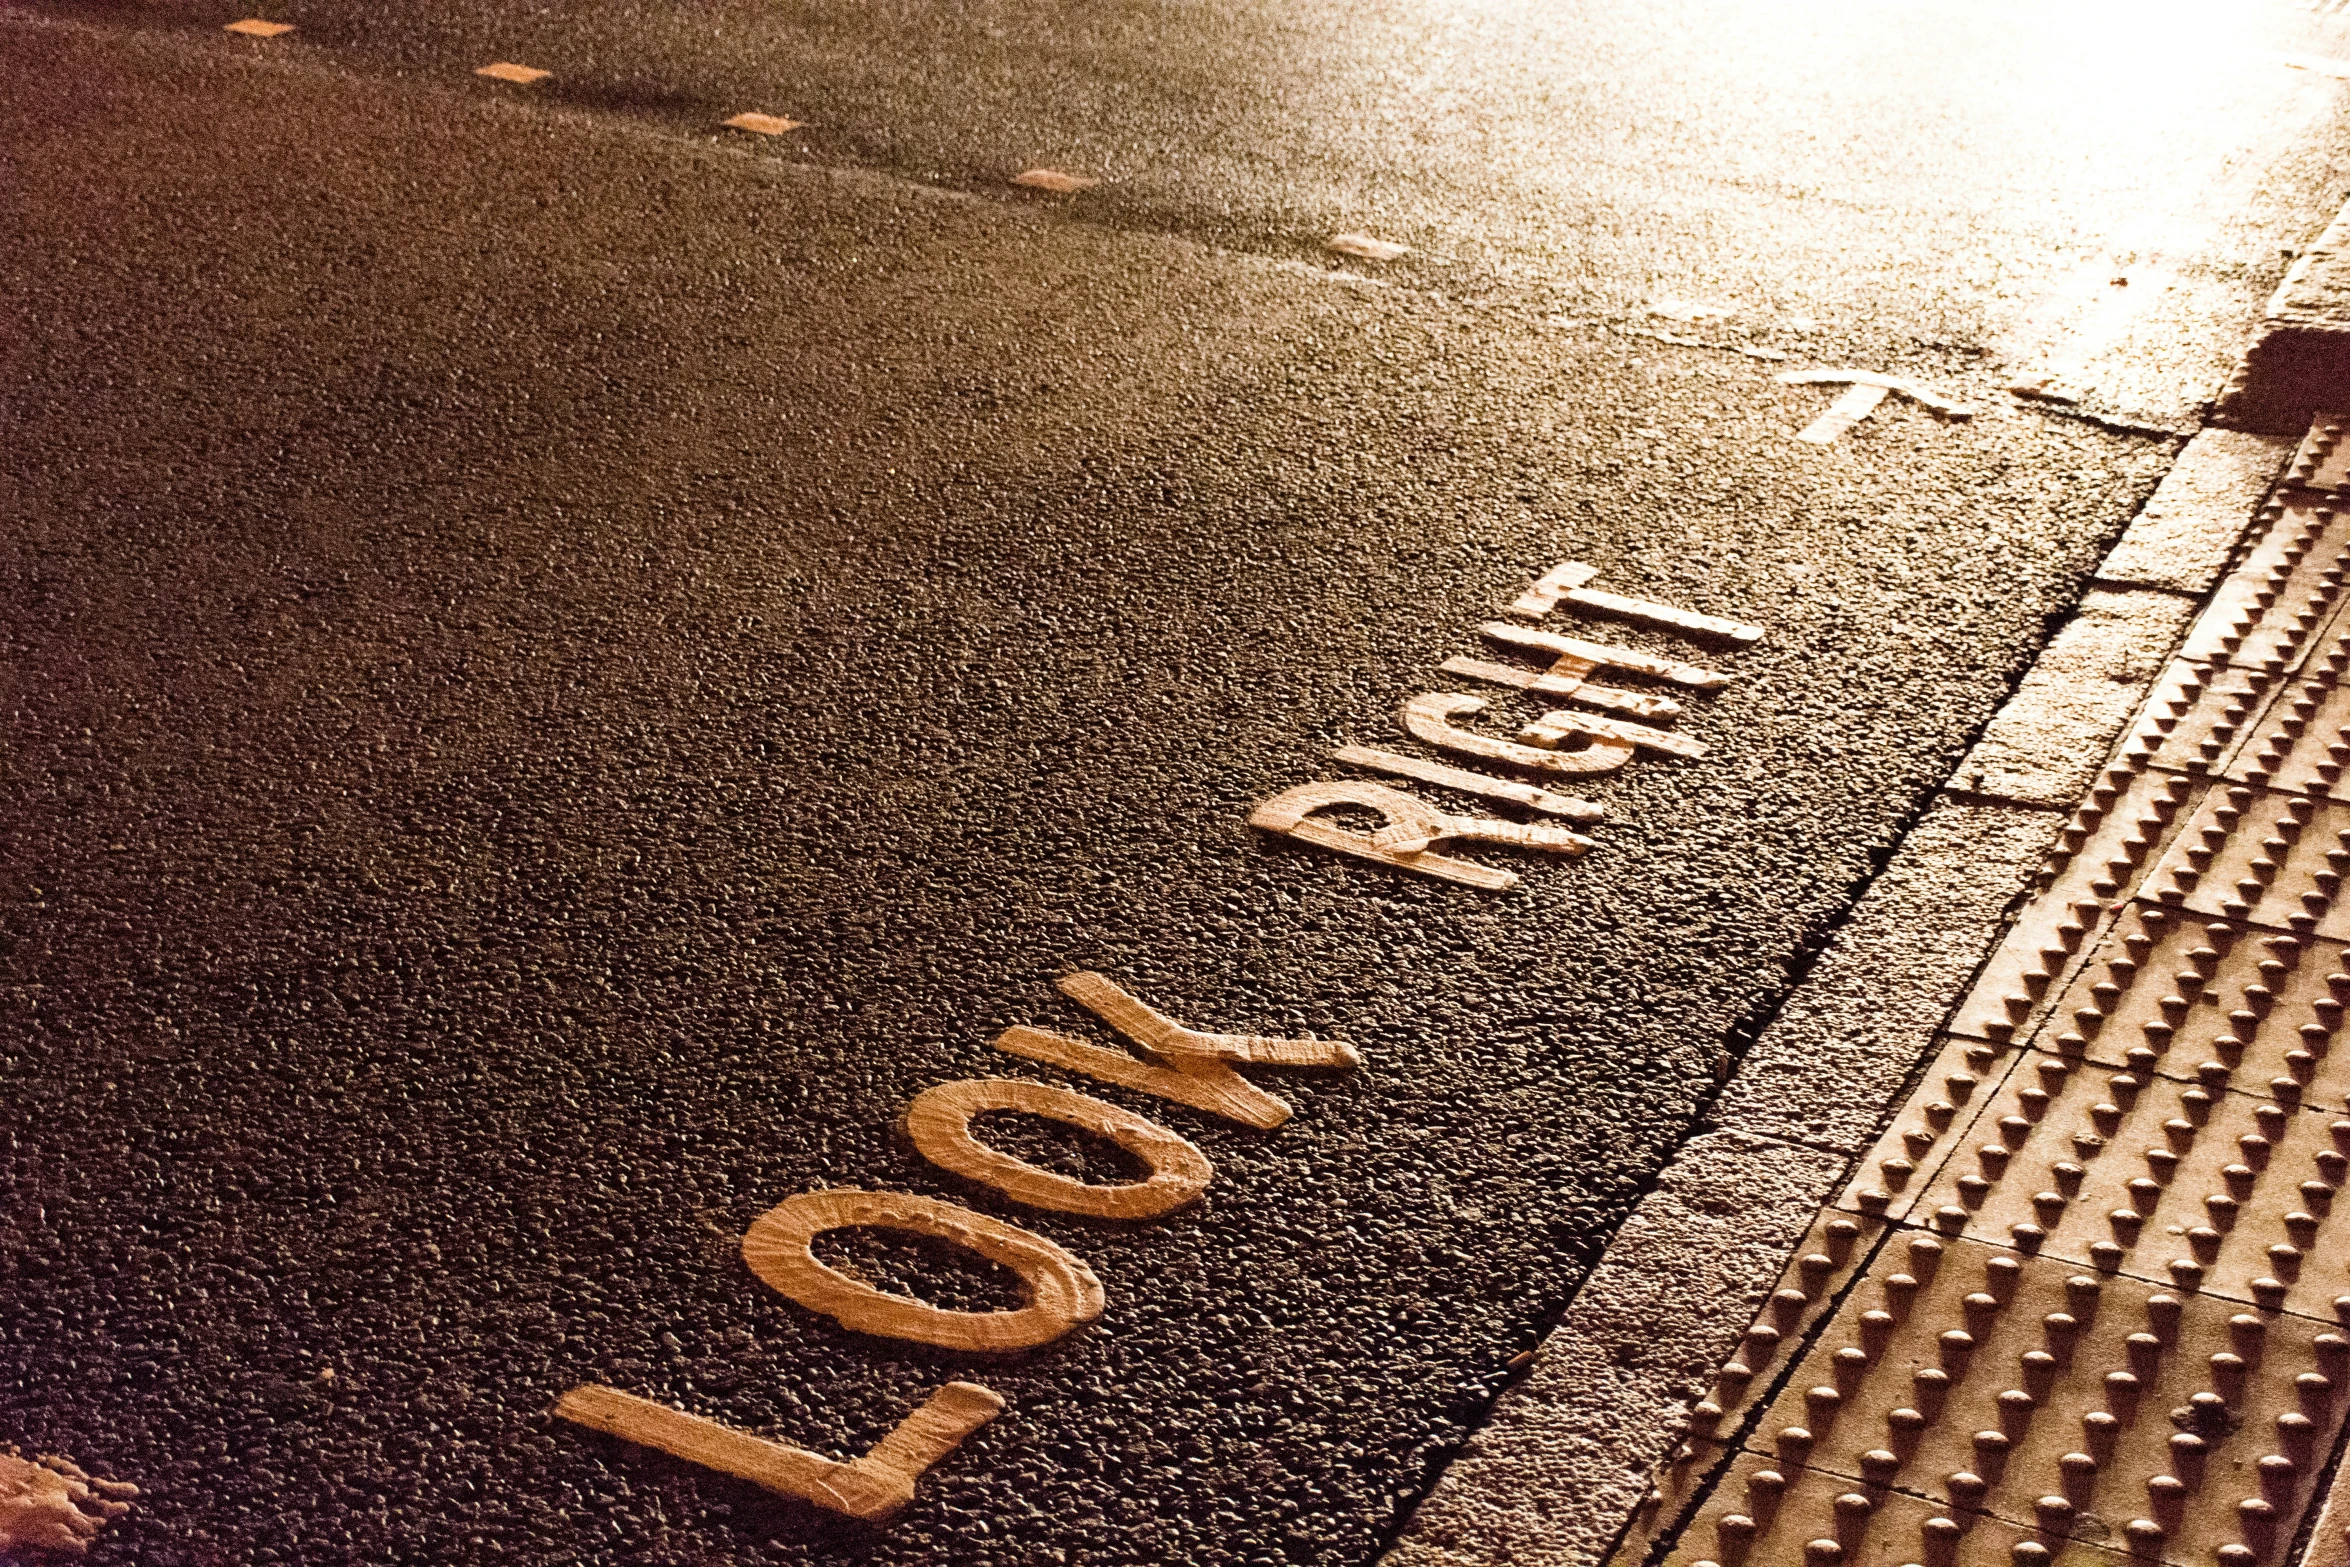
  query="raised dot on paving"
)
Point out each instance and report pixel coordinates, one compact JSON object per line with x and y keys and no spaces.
{"x":2101,"y":857}
{"x":1365,"y":246}
{"x":763,"y":124}
{"x":2322,"y":463}
{"x":254,"y":27}
{"x":508,"y":71}
{"x":1054,"y":180}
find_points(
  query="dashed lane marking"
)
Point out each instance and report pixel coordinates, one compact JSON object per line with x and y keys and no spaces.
{"x":1365,"y":246}
{"x":1693,"y":312}
{"x":508,"y":71}
{"x":1054,"y":180}
{"x":254,"y":27}
{"x":1748,"y":350}
{"x":763,"y":124}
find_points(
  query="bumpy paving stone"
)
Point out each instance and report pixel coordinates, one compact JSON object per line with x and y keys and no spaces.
{"x":2108,"y":1319}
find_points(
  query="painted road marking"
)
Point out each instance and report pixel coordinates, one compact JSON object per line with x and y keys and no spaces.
{"x":1412,"y":837}
{"x":1199,"y":1070}
{"x":1856,"y":404}
{"x":1693,"y":676}
{"x":1062,"y":1291}
{"x":1429,"y":717}
{"x":49,"y":1504}
{"x":2316,"y":65}
{"x":1563,"y":678}
{"x":1866,"y":390}
{"x":508,"y":71}
{"x":1492,"y":788}
{"x":1365,"y":246}
{"x":1411,"y":828}
{"x":1563,"y":724}
{"x":1054,"y":180}
{"x":1162,"y":1035}
{"x":1749,"y":350}
{"x":764,"y":124}
{"x":874,"y":1488}
{"x":1565,"y":583}
{"x":1690,"y":311}
{"x":938,"y":1123}
{"x":254,"y":27}
{"x":1291,"y":813}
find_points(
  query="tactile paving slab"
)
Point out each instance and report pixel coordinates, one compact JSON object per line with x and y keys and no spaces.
{"x":2211,"y":1001}
{"x":1831,"y":1255}
{"x":2108,"y":1320}
{"x":1769,"y":1514}
{"x":1892,"y":1176}
{"x":2321,"y":462}
{"x":2265,"y":617}
{"x":2092,"y":1406}
{"x":2178,"y":1183}
{"x":2302,"y":743}
{"x":2262,"y":856}
{"x":2196,"y":718}
{"x":2102,"y":855}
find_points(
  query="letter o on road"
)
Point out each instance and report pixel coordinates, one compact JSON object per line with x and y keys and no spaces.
{"x":939,"y":1122}
{"x":1062,"y":1291}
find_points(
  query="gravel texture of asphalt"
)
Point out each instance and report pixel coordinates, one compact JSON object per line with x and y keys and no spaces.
{"x":559,"y":673}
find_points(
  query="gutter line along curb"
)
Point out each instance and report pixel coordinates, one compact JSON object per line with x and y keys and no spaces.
{"x":1568,"y":1468}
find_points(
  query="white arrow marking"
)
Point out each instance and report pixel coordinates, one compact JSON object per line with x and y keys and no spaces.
{"x":1866,"y":390}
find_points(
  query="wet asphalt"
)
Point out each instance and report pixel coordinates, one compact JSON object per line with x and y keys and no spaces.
{"x":561,"y":666}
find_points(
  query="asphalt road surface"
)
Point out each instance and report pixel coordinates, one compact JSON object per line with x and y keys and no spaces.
{"x":563,"y":663}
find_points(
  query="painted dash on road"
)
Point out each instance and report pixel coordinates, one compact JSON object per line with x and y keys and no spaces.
{"x":508,"y":71}
{"x":1365,"y":246}
{"x":1054,"y":180}
{"x":763,"y":124}
{"x":254,"y":27}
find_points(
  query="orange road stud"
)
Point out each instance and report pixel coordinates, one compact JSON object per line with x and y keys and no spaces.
{"x":254,"y":27}
{"x":507,"y":71}
{"x":763,"y":124}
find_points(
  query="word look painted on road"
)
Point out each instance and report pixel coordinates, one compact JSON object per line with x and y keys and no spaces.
{"x":1169,"y":1061}
{"x":1186,"y":1065}
{"x":1562,"y":741}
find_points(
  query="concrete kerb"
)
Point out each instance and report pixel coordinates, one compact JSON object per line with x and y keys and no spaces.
{"x":2183,"y":539}
{"x":2300,"y":360}
{"x":1569,"y":1457}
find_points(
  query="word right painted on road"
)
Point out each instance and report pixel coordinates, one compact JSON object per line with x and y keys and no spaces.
{"x":1563,"y":742}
